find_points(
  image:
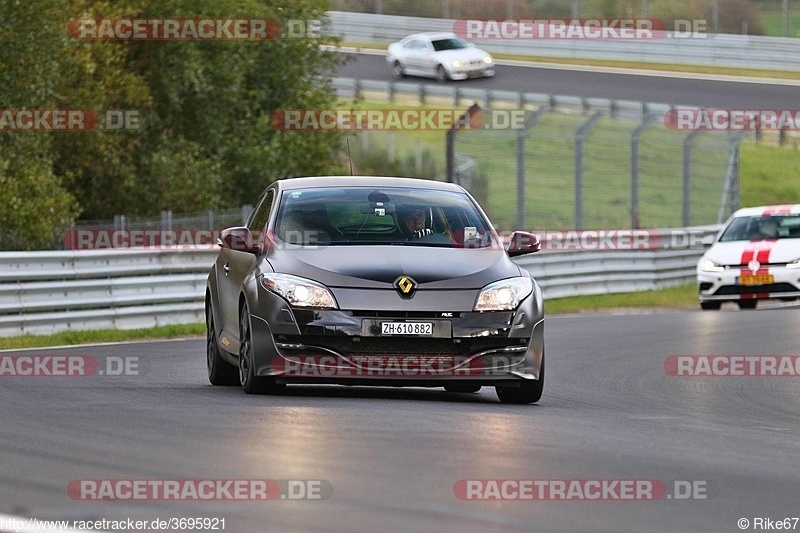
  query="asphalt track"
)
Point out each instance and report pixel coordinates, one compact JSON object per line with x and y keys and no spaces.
{"x":610,"y":411}
{"x":669,"y":89}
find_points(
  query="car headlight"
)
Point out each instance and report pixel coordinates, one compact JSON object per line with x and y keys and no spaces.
{"x":487,"y":59}
{"x":299,"y":292}
{"x":458,"y":63}
{"x":793,"y":264}
{"x":707,"y":265}
{"x":504,"y":295}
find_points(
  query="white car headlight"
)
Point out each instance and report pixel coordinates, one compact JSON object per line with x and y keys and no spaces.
{"x":458,"y":63}
{"x":794,"y":264}
{"x":504,"y":295}
{"x":299,"y":292}
{"x":707,"y":265}
{"x":487,"y":59}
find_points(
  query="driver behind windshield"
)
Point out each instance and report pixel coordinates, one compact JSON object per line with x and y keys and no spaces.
{"x":415,"y":221}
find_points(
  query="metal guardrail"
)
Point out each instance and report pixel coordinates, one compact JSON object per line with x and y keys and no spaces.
{"x":47,"y":292}
{"x":721,"y":50}
{"x":424,"y":92}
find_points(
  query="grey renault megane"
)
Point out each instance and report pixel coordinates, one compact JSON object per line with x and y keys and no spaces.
{"x":373,"y":281}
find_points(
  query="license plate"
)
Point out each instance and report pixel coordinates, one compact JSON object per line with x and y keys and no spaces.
{"x":761,"y":279}
{"x":407,"y":328}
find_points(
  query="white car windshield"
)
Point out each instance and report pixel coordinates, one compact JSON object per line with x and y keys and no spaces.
{"x":448,"y":44}
{"x":762,"y":227}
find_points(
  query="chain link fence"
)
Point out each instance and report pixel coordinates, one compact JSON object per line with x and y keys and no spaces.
{"x":581,"y":168}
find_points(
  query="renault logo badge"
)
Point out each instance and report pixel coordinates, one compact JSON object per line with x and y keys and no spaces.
{"x":405,"y":286}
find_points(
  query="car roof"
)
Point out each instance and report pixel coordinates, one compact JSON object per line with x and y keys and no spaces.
{"x":432,"y":35}
{"x":313,"y":182}
{"x":788,"y":209}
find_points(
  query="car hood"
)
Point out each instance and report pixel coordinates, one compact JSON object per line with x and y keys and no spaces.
{"x":378,"y":267}
{"x":742,"y":252}
{"x":464,"y":54}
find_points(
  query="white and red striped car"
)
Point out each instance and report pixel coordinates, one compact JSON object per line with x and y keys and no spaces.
{"x":755,"y":256}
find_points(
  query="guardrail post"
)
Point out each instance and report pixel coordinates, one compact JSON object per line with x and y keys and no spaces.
{"x":390,"y":92}
{"x":356,"y":88}
{"x":687,"y":178}
{"x":580,"y":136}
{"x":422,"y":92}
{"x":488,"y":98}
{"x":647,"y":121}
{"x":456,"y":97}
{"x":166,"y":220}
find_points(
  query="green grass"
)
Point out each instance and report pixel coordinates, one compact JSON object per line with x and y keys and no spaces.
{"x":772,"y":20}
{"x":769,"y":174}
{"x":683,"y":296}
{"x":102,"y":335}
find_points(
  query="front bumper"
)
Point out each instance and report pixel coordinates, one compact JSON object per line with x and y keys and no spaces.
{"x":726,"y":286}
{"x":346,"y":347}
{"x":467,"y":72}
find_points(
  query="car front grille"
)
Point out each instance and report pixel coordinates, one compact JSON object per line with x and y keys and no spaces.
{"x":756,"y":289}
{"x":403,"y":345}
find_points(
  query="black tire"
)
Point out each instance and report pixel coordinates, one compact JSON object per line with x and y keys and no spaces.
{"x":441,"y":74}
{"x":710,"y":306}
{"x":220,"y":372}
{"x":397,"y":70}
{"x":462,"y":387}
{"x":530,"y":391}
{"x":252,"y":384}
{"x":747,"y":304}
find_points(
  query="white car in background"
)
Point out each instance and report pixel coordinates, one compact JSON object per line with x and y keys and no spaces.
{"x":755,"y":256}
{"x":442,"y":56}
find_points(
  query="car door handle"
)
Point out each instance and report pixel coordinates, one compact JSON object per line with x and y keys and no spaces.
{"x":227,"y":268}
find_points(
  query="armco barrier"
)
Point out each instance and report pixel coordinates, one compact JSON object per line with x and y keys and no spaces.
{"x":721,"y":50}
{"x":47,"y":292}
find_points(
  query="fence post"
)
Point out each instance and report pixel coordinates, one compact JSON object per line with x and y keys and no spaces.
{"x":210,"y":219}
{"x":580,"y":136}
{"x":521,"y":172}
{"x":647,"y":121}
{"x":687,"y":178}
{"x":450,"y":140}
{"x":730,"y":193}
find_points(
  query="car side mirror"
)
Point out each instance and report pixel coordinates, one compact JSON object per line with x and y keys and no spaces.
{"x":522,"y":242}
{"x":238,"y":238}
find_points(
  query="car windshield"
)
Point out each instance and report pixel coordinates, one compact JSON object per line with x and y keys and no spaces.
{"x":448,"y":44}
{"x":381,"y":216}
{"x":762,"y":227}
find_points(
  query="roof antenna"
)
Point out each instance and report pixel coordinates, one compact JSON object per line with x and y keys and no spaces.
{"x":349,"y":156}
